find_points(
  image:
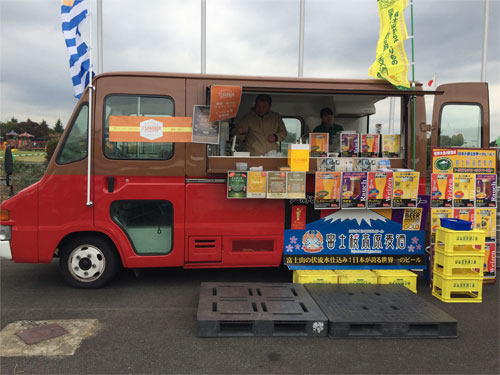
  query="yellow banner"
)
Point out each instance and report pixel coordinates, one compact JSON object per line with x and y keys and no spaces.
{"x":391,"y":62}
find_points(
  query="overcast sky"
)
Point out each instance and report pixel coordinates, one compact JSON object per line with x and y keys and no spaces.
{"x":244,"y":37}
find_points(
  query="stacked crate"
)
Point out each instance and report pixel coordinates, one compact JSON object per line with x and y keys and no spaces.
{"x":458,"y":265}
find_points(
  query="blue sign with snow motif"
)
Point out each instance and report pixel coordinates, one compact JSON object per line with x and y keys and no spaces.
{"x":349,"y":239}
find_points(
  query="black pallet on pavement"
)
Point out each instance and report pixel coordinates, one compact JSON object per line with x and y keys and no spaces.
{"x":258,"y":309}
{"x":380,"y":311}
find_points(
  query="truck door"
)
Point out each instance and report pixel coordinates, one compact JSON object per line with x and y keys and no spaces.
{"x":461,"y":116}
{"x":138,"y":190}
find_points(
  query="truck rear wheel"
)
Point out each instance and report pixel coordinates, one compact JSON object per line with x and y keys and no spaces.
{"x":88,"y":262}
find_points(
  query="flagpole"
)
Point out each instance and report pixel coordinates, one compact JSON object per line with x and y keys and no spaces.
{"x":301,"y":37}
{"x":89,"y":140}
{"x":203,"y":36}
{"x":485,"y":40}
{"x":413,"y":80}
{"x":99,"y":36}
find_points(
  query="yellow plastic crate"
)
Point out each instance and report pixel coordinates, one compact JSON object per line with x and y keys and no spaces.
{"x":356,"y":277}
{"x":397,"y":277}
{"x":463,"y":286}
{"x":463,"y":257}
{"x":447,"y":239}
{"x":315,"y":276}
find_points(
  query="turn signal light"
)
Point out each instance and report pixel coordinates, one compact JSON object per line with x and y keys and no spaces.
{"x":4,"y":215}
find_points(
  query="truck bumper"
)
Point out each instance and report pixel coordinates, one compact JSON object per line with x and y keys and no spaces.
{"x":5,"y":252}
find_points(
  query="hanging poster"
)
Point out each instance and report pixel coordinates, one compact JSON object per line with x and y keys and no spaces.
{"x":357,"y":239}
{"x":236,"y":184}
{"x":257,"y":185}
{"x":464,"y":190}
{"x":405,"y":190}
{"x":370,"y":145}
{"x":224,"y":102}
{"x":204,"y":131}
{"x":327,"y":190}
{"x":349,"y":144}
{"x":276,"y":184}
{"x":486,"y":190}
{"x":295,"y":185}
{"x":380,"y":189}
{"x":441,"y":190}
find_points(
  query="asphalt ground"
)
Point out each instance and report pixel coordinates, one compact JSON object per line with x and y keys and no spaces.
{"x":148,"y":326}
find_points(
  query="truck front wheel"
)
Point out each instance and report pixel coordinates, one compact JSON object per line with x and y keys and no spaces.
{"x":88,"y":262}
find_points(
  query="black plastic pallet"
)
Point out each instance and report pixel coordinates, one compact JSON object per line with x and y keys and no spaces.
{"x":380,"y":311}
{"x":258,"y":309}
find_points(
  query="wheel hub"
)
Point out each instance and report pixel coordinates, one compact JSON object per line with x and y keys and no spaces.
{"x":86,"y":263}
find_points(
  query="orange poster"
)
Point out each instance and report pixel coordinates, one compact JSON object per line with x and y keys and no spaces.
{"x":150,"y":129}
{"x":224,"y":102}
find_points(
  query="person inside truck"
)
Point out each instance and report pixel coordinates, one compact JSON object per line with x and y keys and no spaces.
{"x":262,"y":128}
{"x":328,"y":126}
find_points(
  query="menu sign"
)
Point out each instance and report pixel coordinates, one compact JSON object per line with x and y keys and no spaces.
{"x":380,"y":189}
{"x":464,"y":160}
{"x":370,"y":145}
{"x":405,"y":191}
{"x":257,"y":185}
{"x":296,"y":185}
{"x":276,"y":184}
{"x":327,"y":190}
{"x":236,"y":184}
{"x":319,"y":144}
{"x":486,"y":190}
{"x":464,"y":190}
{"x":391,"y":145}
{"x":354,"y":189}
{"x":349,"y":144}
{"x":204,"y":131}
{"x":441,"y":190}
{"x":224,"y":102}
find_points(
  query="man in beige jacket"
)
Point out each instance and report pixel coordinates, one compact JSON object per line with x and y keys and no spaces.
{"x":262,"y":128}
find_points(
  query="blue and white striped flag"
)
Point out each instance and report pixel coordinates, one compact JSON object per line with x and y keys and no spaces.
{"x":73,"y":12}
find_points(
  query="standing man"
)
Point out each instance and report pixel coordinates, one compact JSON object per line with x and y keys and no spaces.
{"x":327,"y":125}
{"x":262,"y":128}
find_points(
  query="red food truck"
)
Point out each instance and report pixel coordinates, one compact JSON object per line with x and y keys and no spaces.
{"x":163,"y":204}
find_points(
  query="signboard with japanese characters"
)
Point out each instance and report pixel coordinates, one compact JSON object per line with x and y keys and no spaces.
{"x":359,"y":239}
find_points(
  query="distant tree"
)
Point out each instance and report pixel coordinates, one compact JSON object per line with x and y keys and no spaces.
{"x":58,"y":128}
{"x":457,"y":140}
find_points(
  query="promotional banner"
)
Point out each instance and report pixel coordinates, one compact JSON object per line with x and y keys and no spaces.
{"x":464,"y":160}
{"x":486,"y":190}
{"x":236,"y":184}
{"x":391,"y":145}
{"x":391,"y":62}
{"x":464,"y":186}
{"x":150,"y":129}
{"x":295,"y":185}
{"x":366,"y":239}
{"x":354,"y":189}
{"x":224,"y":102}
{"x":405,"y":190}
{"x":276,"y":185}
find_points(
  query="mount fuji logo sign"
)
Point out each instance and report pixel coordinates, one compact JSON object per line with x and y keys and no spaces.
{"x":355,"y":239}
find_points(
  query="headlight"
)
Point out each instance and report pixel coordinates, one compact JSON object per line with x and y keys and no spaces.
{"x":5,"y":232}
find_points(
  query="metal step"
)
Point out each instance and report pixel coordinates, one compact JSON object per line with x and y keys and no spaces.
{"x":380,"y":311}
{"x":258,"y":309}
